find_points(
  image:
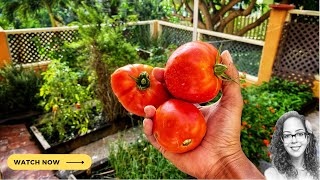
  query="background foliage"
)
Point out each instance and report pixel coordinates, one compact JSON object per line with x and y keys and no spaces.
{"x":19,"y":88}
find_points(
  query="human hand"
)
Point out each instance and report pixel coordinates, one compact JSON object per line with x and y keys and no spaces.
{"x":219,"y":154}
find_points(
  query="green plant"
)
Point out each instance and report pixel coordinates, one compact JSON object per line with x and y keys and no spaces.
{"x":104,"y":48}
{"x":61,"y":92}
{"x":263,"y":105}
{"x":140,"y":160}
{"x":18,"y":88}
{"x":159,"y":55}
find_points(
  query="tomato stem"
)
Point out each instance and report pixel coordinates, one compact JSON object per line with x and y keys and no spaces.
{"x":142,"y":81}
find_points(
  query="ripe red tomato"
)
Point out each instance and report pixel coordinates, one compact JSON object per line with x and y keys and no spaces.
{"x":78,"y":105}
{"x":178,"y":126}
{"x":191,"y":73}
{"x":136,"y":87}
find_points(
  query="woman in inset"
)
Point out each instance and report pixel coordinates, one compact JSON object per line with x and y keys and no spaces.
{"x":293,"y":149}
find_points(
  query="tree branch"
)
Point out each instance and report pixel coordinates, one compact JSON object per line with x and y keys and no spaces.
{"x":254,"y":24}
{"x":207,"y":17}
{"x":223,"y":10}
{"x":174,"y":6}
{"x":235,"y":14}
{"x":181,"y":17}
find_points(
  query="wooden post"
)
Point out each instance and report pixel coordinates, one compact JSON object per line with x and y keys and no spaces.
{"x":4,"y":49}
{"x":277,"y":19}
{"x":154,"y":29}
{"x":315,"y":88}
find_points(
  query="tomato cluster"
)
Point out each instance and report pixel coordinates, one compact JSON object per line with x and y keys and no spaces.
{"x":192,"y":75}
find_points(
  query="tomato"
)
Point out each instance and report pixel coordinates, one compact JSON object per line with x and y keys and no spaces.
{"x":178,"y":126}
{"x":193,"y":72}
{"x":136,"y":87}
{"x":55,"y":108}
{"x":78,"y":105}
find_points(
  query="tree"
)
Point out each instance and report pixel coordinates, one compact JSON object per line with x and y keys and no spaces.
{"x":30,"y":8}
{"x":216,"y":14}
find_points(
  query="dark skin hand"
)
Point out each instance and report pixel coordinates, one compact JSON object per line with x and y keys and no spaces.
{"x":219,"y":155}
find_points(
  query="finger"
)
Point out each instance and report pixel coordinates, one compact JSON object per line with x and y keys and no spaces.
{"x":158,"y":73}
{"x":147,"y":129}
{"x":149,"y":111}
{"x":231,"y":91}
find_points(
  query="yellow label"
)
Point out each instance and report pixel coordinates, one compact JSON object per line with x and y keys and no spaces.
{"x":49,"y":162}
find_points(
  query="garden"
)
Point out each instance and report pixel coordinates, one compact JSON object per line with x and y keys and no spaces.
{"x":68,"y":102}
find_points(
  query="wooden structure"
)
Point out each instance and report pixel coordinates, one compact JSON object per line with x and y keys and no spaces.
{"x":259,"y":59}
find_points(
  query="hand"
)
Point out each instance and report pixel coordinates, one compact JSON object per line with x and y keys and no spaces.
{"x":219,"y":155}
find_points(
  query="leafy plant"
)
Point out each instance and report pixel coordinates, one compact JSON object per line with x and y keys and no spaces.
{"x":66,"y":99}
{"x":263,"y":105}
{"x":141,"y":160}
{"x":18,"y":88}
{"x":104,"y":48}
{"x":159,"y":55}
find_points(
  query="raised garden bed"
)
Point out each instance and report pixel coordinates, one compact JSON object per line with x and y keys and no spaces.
{"x":81,"y":140}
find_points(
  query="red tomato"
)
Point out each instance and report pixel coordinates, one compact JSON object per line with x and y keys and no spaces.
{"x":55,"y":108}
{"x":135,"y":87}
{"x":78,"y":105}
{"x":192,"y":73}
{"x":178,"y":126}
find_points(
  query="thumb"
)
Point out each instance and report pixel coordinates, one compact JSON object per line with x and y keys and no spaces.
{"x":158,"y":73}
{"x":231,"y":90}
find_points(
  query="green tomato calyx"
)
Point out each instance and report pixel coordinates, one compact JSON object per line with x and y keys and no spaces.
{"x":142,"y":81}
{"x":220,"y":69}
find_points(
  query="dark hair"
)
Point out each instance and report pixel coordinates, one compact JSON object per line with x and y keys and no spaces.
{"x":280,"y":157}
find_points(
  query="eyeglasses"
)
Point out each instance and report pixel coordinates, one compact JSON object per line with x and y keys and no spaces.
{"x":301,"y":136}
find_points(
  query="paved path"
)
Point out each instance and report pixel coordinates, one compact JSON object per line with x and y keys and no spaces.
{"x":15,"y":139}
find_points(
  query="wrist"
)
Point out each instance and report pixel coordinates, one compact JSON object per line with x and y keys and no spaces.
{"x":234,"y":166}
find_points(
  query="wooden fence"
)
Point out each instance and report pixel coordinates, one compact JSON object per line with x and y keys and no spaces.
{"x":255,"y":57}
{"x":257,"y":33}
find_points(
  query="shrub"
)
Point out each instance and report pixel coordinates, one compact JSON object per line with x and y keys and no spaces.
{"x":18,"y":89}
{"x":263,"y":105}
{"x":103,"y":47}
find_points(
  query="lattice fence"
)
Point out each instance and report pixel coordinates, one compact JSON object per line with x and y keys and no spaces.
{"x":33,"y":47}
{"x":298,"y":54}
{"x":176,"y":36}
{"x":245,"y":56}
{"x":139,"y":35}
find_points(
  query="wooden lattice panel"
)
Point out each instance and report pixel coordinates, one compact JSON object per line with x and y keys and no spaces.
{"x":245,"y":56}
{"x":34,"y":46}
{"x":298,"y":54}
{"x":300,"y":18}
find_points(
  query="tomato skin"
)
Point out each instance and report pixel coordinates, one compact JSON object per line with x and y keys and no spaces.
{"x":189,"y":72}
{"x":125,"y":86}
{"x":177,"y":122}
